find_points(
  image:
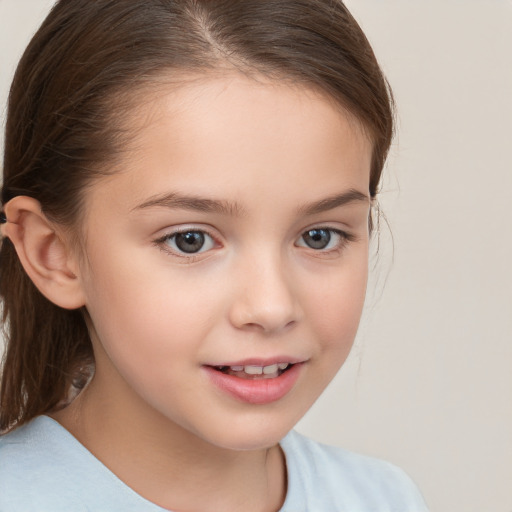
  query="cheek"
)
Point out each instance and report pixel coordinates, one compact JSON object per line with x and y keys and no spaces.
{"x":337,"y":311}
{"x":144,"y":312}
{"x":144,"y":333}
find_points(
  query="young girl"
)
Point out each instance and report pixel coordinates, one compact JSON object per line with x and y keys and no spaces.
{"x":187,"y":207}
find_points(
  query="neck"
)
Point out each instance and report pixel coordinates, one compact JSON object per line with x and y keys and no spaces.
{"x":169,"y":465}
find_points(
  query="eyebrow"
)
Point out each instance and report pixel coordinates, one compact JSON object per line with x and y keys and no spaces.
{"x":176,"y":200}
{"x":335,"y":201}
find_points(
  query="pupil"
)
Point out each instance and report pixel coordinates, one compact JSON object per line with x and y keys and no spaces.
{"x":190,"y":242}
{"x":317,"y":238}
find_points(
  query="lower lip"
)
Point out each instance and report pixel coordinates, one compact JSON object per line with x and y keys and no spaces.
{"x":255,"y":391}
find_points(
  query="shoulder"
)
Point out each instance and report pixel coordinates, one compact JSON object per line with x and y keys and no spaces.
{"x":44,"y":468}
{"x":331,"y":479}
{"x":33,"y":449}
{"x":24,"y":449}
{"x":29,"y":466}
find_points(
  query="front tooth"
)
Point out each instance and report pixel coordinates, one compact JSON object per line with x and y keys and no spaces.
{"x":237,"y":368}
{"x":283,"y":366}
{"x":267,"y":370}
{"x":253,"y":370}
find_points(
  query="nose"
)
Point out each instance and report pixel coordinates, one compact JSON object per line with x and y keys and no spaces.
{"x":265,"y":298}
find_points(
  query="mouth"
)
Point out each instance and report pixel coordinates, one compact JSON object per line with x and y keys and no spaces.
{"x":254,"y":372}
{"x":255,"y":382}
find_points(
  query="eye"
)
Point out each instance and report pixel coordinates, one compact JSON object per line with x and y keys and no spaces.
{"x":188,"y":242}
{"x":322,"y":239}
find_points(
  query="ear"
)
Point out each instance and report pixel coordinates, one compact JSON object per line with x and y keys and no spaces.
{"x":44,"y":252}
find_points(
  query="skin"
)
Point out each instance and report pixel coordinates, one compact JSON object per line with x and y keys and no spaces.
{"x":256,"y":290}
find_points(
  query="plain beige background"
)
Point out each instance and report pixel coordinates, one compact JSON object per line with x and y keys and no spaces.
{"x":429,"y":384}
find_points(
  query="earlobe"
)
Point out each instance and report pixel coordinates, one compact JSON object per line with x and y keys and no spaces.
{"x":44,"y":252}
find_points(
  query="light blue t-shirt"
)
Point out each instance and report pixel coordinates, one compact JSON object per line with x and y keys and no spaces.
{"x":43,"y":468}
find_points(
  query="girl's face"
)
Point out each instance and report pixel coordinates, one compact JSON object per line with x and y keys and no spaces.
{"x":227,"y":261}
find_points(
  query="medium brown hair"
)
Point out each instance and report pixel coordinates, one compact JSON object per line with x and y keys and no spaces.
{"x":75,"y":83}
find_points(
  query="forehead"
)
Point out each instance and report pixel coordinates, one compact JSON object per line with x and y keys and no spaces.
{"x":229,"y":133}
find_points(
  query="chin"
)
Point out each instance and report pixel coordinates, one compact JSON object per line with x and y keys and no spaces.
{"x":250,"y":432}
{"x":250,"y":440}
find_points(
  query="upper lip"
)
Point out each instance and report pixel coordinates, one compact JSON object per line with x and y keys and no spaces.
{"x":258,"y":361}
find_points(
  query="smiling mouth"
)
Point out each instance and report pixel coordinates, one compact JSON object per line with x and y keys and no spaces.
{"x":252,"y":372}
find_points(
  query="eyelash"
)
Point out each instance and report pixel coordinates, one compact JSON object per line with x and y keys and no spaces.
{"x":344,"y":239}
{"x":162,"y":242}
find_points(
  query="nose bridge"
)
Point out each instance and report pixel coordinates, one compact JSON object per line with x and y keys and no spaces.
{"x":265,"y":298}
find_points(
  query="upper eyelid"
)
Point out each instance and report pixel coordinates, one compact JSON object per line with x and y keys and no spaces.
{"x":213,"y":233}
{"x":328,"y":224}
{"x":341,"y":231}
{"x":345,"y":235}
{"x":171,"y":231}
